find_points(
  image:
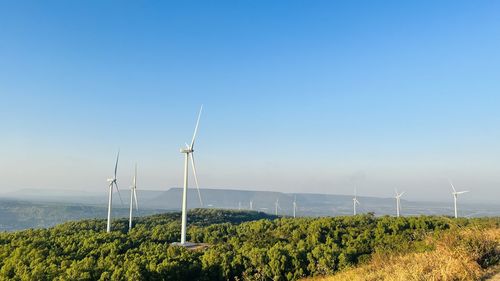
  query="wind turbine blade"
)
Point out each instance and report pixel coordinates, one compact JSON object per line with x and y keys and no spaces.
{"x":196,"y":128}
{"x":135,"y":188}
{"x":135,"y":197}
{"x":461,"y":192}
{"x":119,"y":195}
{"x":452,"y":186}
{"x":357,"y":202}
{"x":116,"y":164}
{"x":401,"y":194}
{"x":135,"y":176}
{"x":196,"y":178}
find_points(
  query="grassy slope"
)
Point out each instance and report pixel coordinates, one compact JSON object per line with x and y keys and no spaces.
{"x":467,"y":254}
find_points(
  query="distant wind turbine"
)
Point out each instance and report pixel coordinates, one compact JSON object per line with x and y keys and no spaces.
{"x":112,"y":183}
{"x":133,"y":197}
{"x":251,"y":205}
{"x":294,"y":206}
{"x":398,"y":202}
{"x":355,"y":201}
{"x":239,"y":205}
{"x":189,"y":153}
{"x":455,"y":195}
{"x":276,"y":206}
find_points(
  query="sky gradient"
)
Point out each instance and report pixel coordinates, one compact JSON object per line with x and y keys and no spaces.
{"x":299,"y":96}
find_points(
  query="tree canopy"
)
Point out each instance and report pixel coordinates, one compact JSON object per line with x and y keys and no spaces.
{"x":242,"y":246}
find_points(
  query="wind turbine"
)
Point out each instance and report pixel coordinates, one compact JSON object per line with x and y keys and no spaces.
{"x":294,"y":206}
{"x":276,"y":206}
{"x":189,"y":153}
{"x":354,"y":201}
{"x":251,"y":205}
{"x":112,"y":183}
{"x":398,"y":202}
{"x":239,"y":205}
{"x":455,"y":195}
{"x":133,"y":197}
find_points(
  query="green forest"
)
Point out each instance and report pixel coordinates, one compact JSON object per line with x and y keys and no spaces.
{"x":241,"y":245}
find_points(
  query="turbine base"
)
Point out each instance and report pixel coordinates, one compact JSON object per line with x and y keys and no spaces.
{"x":191,"y":245}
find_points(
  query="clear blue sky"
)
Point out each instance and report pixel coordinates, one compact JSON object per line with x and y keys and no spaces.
{"x":299,"y":96}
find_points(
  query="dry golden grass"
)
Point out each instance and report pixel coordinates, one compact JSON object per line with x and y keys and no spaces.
{"x":457,"y":256}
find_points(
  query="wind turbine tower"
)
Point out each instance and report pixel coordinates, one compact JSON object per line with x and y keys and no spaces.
{"x":251,"y":205}
{"x":355,"y":202}
{"x":398,"y":202}
{"x":276,"y":206}
{"x":455,"y":195}
{"x":188,"y":151}
{"x":133,"y":197}
{"x":295,"y":206}
{"x":112,"y":183}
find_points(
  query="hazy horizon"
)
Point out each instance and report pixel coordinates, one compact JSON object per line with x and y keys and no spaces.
{"x":318,"y":97}
{"x":73,"y":193}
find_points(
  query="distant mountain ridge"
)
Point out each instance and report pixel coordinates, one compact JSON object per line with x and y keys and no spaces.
{"x":212,"y":197}
{"x":308,"y":204}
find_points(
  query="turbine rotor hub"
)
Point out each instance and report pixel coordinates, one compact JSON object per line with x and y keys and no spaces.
{"x":187,"y":150}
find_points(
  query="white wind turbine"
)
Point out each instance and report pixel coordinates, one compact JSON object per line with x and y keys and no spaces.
{"x":355,"y":201}
{"x":133,"y":197}
{"x":398,"y":201}
{"x":294,"y":206}
{"x":276,"y":206}
{"x":112,"y":183}
{"x":251,"y":205}
{"x":455,"y":195}
{"x":189,"y":153}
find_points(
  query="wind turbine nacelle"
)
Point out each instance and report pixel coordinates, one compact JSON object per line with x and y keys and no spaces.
{"x":186,"y":150}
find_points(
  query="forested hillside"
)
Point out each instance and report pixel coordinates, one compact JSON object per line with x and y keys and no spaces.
{"x":242,"y":245}
{"x":467,"y":254}
{"x":18,"y":215}
{"x":41,"y":209}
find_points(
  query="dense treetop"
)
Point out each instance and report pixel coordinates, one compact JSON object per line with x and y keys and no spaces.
{"x":242,"y":245}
